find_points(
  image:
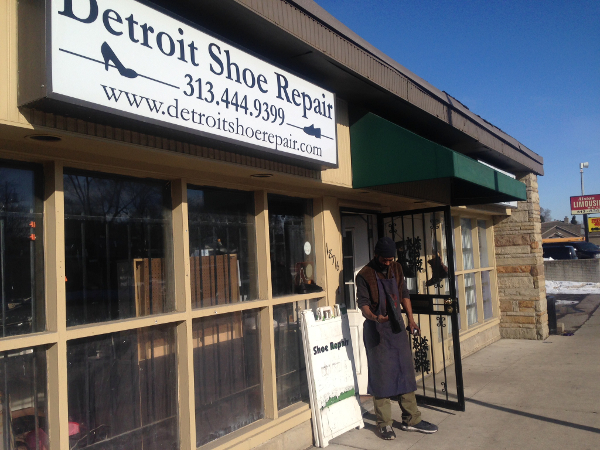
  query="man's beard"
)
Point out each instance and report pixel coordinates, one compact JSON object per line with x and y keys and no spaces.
{"x":379,"y":267}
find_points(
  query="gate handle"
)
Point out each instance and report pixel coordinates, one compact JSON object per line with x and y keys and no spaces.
{"x":449,"y":302}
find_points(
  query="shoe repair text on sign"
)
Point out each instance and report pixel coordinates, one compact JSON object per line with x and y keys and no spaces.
{"x":124,"y":57}
{"x":332,"y":345}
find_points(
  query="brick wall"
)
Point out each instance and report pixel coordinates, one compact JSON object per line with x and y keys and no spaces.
{"x":520,"y":266}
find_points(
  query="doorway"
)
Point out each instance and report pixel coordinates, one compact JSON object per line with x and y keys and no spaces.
{"x":359,"y":235}
{"x":425,"y":247}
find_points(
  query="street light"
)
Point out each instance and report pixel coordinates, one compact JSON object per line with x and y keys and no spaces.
{"x":582,"y":166}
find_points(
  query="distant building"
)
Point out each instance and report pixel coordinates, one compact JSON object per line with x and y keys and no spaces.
{"x":560,"y":229}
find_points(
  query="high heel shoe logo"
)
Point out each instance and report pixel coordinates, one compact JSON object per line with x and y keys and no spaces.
{"x":109,"y":56}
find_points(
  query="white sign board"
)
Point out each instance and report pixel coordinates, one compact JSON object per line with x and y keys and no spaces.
{"x":331,"y":375}
{"x":128,"y":58}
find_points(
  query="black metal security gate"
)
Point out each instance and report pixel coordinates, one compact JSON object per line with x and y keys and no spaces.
{"x":424,"y":244}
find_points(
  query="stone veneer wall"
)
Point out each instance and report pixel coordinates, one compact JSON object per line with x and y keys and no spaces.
{"x":520,"y":268}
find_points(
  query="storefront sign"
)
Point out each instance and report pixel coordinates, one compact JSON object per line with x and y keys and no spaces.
{"x":585,"y":204}
{"x":331,"y":374}
{"x":127,"y":58}
{"x":593,"y":224}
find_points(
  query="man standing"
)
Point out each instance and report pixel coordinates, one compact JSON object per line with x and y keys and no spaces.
{"x":391,"y":369}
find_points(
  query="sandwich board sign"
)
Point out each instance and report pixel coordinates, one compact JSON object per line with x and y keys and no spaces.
{"x":332,"y":382}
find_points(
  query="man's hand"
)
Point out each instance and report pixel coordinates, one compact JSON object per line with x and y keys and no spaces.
{"x":369,"y":315}
{"x":414,"y":328}
{"x":382,"y":319}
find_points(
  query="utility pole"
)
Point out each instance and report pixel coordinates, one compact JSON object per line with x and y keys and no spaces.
{"x":582,"y":166}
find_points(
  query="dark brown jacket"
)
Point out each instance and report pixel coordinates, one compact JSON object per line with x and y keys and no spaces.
{"x":367,"y":277}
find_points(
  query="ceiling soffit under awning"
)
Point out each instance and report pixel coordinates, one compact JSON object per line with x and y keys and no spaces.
{"x":389,"y":158}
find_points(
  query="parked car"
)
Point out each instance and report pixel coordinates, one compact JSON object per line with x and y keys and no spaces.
{"x":583,"y":250}
{"x":559,"y":251}
{"x":586,"y":250}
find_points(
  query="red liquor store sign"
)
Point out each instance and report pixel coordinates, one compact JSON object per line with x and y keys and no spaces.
{"x":585,"y":204}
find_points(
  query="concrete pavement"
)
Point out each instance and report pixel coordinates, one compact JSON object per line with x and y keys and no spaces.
{"x":574,"y":310}
{"x":520,"y":395}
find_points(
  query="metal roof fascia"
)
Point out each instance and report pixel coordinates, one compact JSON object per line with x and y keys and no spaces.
{"x":323,"y":16}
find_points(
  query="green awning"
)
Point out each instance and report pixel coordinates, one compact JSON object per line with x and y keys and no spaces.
{"x":387,"y":157}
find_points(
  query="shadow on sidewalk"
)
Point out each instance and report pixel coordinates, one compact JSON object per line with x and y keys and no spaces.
{"x":535,"y":416}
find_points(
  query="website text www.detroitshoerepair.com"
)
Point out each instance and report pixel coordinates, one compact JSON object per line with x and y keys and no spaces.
{"x":176,"y":111}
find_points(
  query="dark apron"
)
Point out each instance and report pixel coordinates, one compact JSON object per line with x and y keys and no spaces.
{"x":391,"y":370}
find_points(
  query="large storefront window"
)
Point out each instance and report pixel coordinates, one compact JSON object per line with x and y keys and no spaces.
{"x":292,"y":246}
{"x":227,"y":374}
{"x":118,"y":245}
{"x":123,"y":391}
{"x":292,"y":384}
{"x":21,"y":250}
{"x":23,"y":400}
{"x":222,"y":246}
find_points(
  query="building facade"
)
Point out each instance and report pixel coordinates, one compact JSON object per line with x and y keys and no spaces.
{"x":179,"y":179}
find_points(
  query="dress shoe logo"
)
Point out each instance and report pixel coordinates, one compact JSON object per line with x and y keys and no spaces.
{"x":311,"y":130}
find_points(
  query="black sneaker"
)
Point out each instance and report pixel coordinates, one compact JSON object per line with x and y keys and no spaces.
{"x":387,"y":433}
{"x":421,"y":427}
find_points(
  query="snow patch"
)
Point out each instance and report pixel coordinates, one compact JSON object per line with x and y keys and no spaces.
{"x":571,"y":287}
{"x":566,"y":302}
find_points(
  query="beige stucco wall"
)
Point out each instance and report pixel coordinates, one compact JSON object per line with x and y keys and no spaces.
{"x":9,"y":113}
{"x":341,"y":176}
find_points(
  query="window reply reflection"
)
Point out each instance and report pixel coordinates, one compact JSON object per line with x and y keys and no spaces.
{"x":486,"y":288}
{"x":292,"y":246}
{"x":123,"y":391}
{"x":467,"y":243}
{"x":292,"y":384}
{"x":483,"y":247}
{"x":21,"y":250}
{"x":471,"y":298}
{"x":117,"y":247}
{"x":23,"y":410}
{"x":227,"y":374}
{"x":222,"y":246}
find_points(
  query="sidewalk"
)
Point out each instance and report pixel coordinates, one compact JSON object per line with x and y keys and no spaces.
{"x":520,"y":395}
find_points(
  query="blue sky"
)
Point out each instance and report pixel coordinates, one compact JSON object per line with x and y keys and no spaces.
{"x":532,"y":68}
